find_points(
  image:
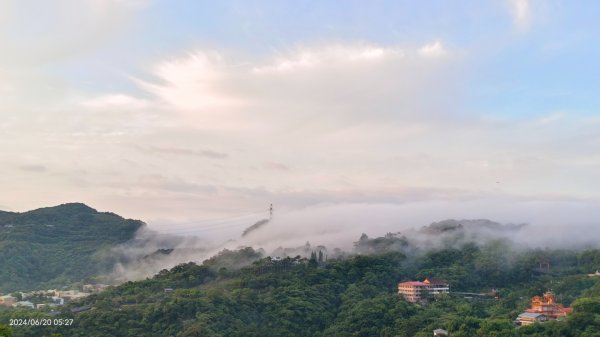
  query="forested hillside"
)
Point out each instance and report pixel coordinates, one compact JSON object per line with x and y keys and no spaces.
{"x":56,"y":246}
{"x":353,"y":295}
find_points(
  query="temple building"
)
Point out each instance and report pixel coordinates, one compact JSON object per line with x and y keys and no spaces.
{"x":542,"y":309}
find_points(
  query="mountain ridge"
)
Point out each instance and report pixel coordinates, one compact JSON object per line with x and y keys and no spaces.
{"x":59,"y":245}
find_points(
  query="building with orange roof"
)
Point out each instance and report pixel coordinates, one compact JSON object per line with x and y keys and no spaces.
{"x":545,"y":307}
{"x":415,"y":291}
{"x":548,"y":306}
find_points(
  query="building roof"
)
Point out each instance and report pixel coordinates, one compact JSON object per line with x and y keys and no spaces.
{"x":425,"y":282}
{"x":24,"y":303}
{"x":531,"y":315}
{"x":412,"y":283}
{"x":80,"y":309}
{"x":435,"y":281}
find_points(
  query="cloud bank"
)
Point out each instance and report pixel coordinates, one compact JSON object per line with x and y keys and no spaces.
{"x":209,"y":138}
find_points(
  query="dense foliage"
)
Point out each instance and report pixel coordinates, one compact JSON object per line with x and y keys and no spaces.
{"x":348,"y":296}
{"x":59,"y":245}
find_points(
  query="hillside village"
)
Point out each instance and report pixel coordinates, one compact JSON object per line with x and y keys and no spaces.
{"x":49,"y":299}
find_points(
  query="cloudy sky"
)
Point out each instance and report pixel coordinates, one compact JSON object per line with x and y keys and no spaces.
{"x":196,"y":115}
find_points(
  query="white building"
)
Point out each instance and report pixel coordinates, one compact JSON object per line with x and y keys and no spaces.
{"x":24,"y":304}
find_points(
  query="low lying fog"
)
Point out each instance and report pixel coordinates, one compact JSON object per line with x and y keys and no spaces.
{"x":553,"y":224}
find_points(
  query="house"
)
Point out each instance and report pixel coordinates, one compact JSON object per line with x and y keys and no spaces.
{"x":597,"y":273}
{"x":7,"y":300}
{"x":94,"y":288}
{"x":24,"y":304}
{"x":528,"y":318}
{"x":58,"y":300}
{"x":72,"y":295}
{"x":417,"y":291}
{"x":440,"y":333}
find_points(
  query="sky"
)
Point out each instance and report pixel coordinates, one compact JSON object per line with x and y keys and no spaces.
{"x":194,"y":116}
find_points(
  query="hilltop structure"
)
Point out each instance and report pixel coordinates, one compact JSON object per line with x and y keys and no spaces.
{"x":542,"y":309}
{"x":417,"y":291}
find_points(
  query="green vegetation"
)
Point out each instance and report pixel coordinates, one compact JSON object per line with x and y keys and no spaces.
{"x":241,"y":293}
{"x":59,"y":245}
{"x":5,"y":331}
{"x":349,"y":296}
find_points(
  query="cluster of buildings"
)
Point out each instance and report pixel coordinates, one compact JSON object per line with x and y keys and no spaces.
{"x":24,"y":300}
{"x":40,"y":299}
{"x":542,"y":309}
{"x":419,"y":291}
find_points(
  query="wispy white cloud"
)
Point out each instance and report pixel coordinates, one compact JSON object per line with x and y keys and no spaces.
{"x":169,"y":150}
{"x":433,"y":49}
{"x":200,"y":87}
{"x":305,"y":58}
{"x":521,"y":13}
{"x":111,"y":101}
{"x":210,"y":91}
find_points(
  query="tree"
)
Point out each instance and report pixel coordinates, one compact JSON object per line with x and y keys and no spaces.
{"x":496,"y":328}
{"x":5,"y":331}
{"x":312,"y":262}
